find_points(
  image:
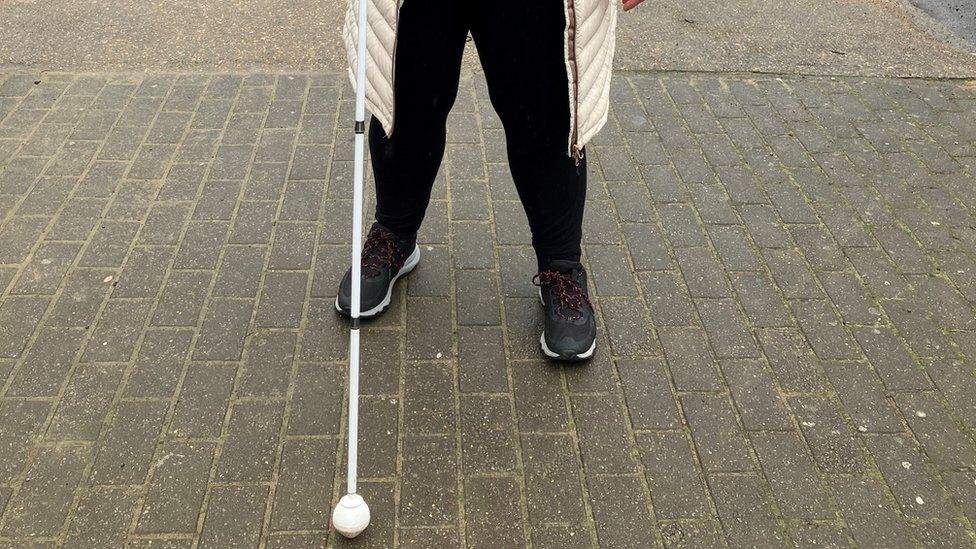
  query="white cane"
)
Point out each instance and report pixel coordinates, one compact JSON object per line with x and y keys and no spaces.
{"x":351,"y":515}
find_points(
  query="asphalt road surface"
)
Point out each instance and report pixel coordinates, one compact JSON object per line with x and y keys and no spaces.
{"x":958,"y":15}
{"x":842,"y":37}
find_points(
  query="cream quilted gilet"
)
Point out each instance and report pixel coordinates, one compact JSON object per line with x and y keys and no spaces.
{"x":589,"y":46}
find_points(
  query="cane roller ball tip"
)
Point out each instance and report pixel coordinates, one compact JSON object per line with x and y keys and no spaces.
{"x":351,"y":516}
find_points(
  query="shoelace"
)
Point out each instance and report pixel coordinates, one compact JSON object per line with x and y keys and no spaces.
{"x":379,"y":252}
{"x":567,"y":290}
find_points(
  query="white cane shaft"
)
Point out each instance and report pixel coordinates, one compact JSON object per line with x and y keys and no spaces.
{"x":357,"y":249}
{"x":353,"y":450}
{"x":357,"y":223}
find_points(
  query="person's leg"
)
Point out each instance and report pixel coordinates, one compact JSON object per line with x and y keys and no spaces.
{"x":429,"y":47}
{"x":430,"y":43}
{"x":521,"y":46}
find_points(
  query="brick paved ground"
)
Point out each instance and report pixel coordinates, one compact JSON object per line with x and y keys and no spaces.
{"x":783,"y":270}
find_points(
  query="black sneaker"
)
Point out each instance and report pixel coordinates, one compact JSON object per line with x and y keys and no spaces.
{"x":385,"y":259}
{"x":570,"y":327}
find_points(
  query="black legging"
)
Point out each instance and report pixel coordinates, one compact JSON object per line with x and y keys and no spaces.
{"x":521,"y":47}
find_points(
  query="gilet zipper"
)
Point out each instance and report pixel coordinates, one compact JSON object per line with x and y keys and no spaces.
{"x":575,"y":150}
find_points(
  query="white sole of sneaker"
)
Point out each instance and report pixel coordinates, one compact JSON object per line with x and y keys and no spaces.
{"x":408,"y":266}
{"x":572,"y":358}
{"x":556,"y":356}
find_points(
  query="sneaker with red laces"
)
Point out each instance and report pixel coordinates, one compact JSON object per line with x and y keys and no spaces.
{"x":569,"y":334}
{"x":386,"y":258}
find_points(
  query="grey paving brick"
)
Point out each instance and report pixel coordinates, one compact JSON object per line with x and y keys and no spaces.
{"x":915,"y":486}
{"x":792,"y":360}
{"x":850,"y":298}
{"x":234,"y":516}
{"x":46,"y":196}
{"x":159,"y":363}
{"x":955,"y":381}
{"x":248,"y":453}
{"x":143,"y":273}
{"x":492,"y":514}
{"x":962,"y":488}
{"x":182,"y":298}
{"x":325,"y":337}
{"x":726,"y":328}
{"x":302,"y":200}
{"x":282,"y":300}
{"x":177,"y":487}
{"x":487,"y":440}
{"x":231,"y":162}
{"x":126,"y":450}
{"x":762,"y":303}
{"x":599,"y":224}
{"x":102,"y":518}
{"x":764,"y":227}
{"x":73,"y":158}
{"x":673,"y":476}
{"x":268,"y":367}
{"x":791,"y":474}
{"x":744,"y":510}
{"x":614,"y":277}
{"x":417,"y":538}
{"x":650,"y":402}
{"x":552,"y":486}
{"x":922,"y":335}
{"x":109,"y":244}
{"x":22,"y":420}
{"x":201,"y":245}
{"x":891,"y":361}
{"x":823,"y":330}
{"x":76,"y":220}
{"x":691,"y":362}
{"x":41,"y":506}
{"x":429,"y":331}
{"x":481,"y":360}
{"x":668,"y":299}
{"x":681,"y":225}
{"x":699,"y":534}
{"x":380,"y":348}
{"x":756,"y":397}
{"x":477,"y":298}
{"x":702,"y":273}
{"x":265,"y":182}
{"x":223,"y":330}
{"x":828,"y":434}
{"x":425,"y":409}
{"x":873,"y":519}
{"x":721,"y":443}
{"x":620,"y":512}
{"x":378,"y":450}
{"x":203,"y":401}
{"x":304,"y":485}
{"x":604,"y":442}
{"x":46,"y":364}
{"x":664,"y":185}
{"x":863,"y":397}
{"x":114,"y":336}
{"x":428,"y":496}
{"x":630,"y":333}
{"x":734,"y":248}
{"x":316,"y":400}
{"x":19,"y":236}
{"x":646,"y":246}
{"x":942,"y":439}
{"x":85,"y":403}
{"x":791,"y":275}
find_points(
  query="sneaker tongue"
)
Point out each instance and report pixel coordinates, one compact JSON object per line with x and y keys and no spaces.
{"x":563,"y":265}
